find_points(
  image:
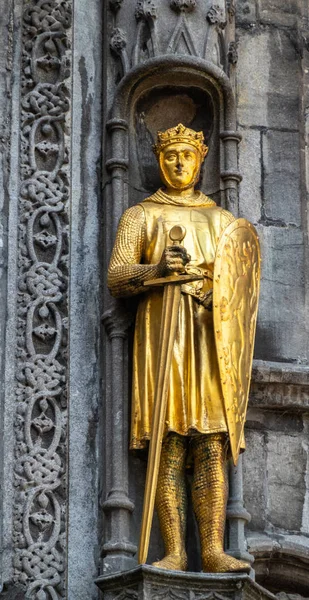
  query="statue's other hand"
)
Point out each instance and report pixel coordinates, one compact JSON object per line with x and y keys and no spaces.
{"x":207,"y":300}
{"x":173,"y":259}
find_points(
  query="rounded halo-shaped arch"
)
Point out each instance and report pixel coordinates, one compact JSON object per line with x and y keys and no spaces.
{"x":282,"y":566}
{"x":145,"y":76}
{"x":172,"y":71}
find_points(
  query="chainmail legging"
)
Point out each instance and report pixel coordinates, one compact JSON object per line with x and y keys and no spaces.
{"x":209,"y":495}
{"x":171,"y":497}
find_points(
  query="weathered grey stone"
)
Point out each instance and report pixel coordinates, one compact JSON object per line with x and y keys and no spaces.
{"x":236,"y":514}
{"x":280,"y":396}
{"x":281,"y":561}
{"x":279,"y":336}
{"x":250,"y":168}
{"x":286,"y":467}
{"x":305,"y":445}
{"x":267,"y":80}
{"x":284,"y":596}
{"x":84,"y":324}
{"x":12,"y":593}
{"x":277,"y":12}
{"x":281,"y":170}
{"x":246,"y":11}
{"x":5,"y":71}
{"x":254,"y":463}
{"x":270,"y":91}
{"x":276,"y":470}
{"x":149,"y":583}
{"x":148,"y":29}
{"x":9,"y":149}
{"x":273,"y":420}
{"x":5,"y":117}
{"x":278,"y":372}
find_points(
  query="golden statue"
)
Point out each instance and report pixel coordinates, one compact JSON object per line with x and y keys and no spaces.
{"x":199,"y":365}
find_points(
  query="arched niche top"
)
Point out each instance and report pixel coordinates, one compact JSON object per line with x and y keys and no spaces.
{"x":199,"y":72}
{"x":164,"y":107}
{"x":220,"y":177}
{"x":282,"y":567}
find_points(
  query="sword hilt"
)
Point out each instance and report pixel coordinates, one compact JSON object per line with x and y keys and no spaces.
{"x":177,"y":234}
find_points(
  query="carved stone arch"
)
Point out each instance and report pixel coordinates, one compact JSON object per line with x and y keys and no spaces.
{"x":175,"y":72}
{"x":283,"y":567}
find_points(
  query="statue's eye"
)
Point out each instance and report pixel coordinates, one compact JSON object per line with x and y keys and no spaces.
{"x":170,"y":157}
{"x":189,"y":156}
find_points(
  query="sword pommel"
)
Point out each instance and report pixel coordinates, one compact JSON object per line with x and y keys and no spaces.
{"x":177,"y":234}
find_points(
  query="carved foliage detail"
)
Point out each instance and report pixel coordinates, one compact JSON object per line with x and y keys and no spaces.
{"x":40,"y":423}
{"x":166,"y":593}
{"x":145,"y":9}
{"x":216,"y":16}
{"x":118,"y":41}
{"x":127,"y":594}
{"x":215,"y":42}
{"x":183,"y":5}
{"x":232,"y":53}
{"x":231,"y":8}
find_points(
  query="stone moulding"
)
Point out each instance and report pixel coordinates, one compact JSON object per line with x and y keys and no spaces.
{"x":205,"y":75}
{"x":284,"y":559}
{"x":279,"y":386}
{"x":149,"y":583}
{"x":41,"y":355}
{"x":186,"y":35}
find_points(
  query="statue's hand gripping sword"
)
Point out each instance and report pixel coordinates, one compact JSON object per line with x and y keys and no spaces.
{"x":170,"y":308}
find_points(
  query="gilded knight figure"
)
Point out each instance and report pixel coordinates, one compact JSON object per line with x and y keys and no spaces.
{"x":212,"y":350}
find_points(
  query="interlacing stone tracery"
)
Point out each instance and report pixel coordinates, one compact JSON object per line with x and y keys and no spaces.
{"x":40,"y":423}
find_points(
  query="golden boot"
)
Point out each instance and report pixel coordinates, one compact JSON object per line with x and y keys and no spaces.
{"x":209,"y":494}
{"x":171,"y":503}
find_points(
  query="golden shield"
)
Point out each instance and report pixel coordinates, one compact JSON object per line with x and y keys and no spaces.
{"x":235,"y":305}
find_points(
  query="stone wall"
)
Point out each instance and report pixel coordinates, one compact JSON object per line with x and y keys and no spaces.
{"x":49,"y":203}
{"x":54,"y":532}
{"x":272,"y":109}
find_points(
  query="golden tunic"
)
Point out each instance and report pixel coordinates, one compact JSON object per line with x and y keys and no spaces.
{"x":195,"y":402}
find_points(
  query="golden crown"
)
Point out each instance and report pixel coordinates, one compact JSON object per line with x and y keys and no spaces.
{"x":180,"y":133}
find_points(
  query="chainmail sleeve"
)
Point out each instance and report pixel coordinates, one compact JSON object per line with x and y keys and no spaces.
{"x":126,"y":274}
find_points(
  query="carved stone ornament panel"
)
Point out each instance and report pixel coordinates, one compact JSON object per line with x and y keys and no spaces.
{"x":216,"y":15}
{"x":164,"y":593}
{"x":41,"y":414}
{"x":145,"y":9}
{"x":173,"y":27}
{"x":149,"y":583}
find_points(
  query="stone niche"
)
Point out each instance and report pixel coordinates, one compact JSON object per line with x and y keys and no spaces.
{"x":164,"y":69}
{"x":165,"y":107}
{"x":154,"y":97}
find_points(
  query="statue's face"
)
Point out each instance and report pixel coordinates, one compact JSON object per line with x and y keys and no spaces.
{"x":180,"y":165}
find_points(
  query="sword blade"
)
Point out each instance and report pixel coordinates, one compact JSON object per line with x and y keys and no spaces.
{"x":170,"y":309}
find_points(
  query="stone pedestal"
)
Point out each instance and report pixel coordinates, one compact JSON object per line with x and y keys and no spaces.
{"x":148,"y":583}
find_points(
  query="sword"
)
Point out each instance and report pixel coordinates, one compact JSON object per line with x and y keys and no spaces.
{"x":170,"y":308}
